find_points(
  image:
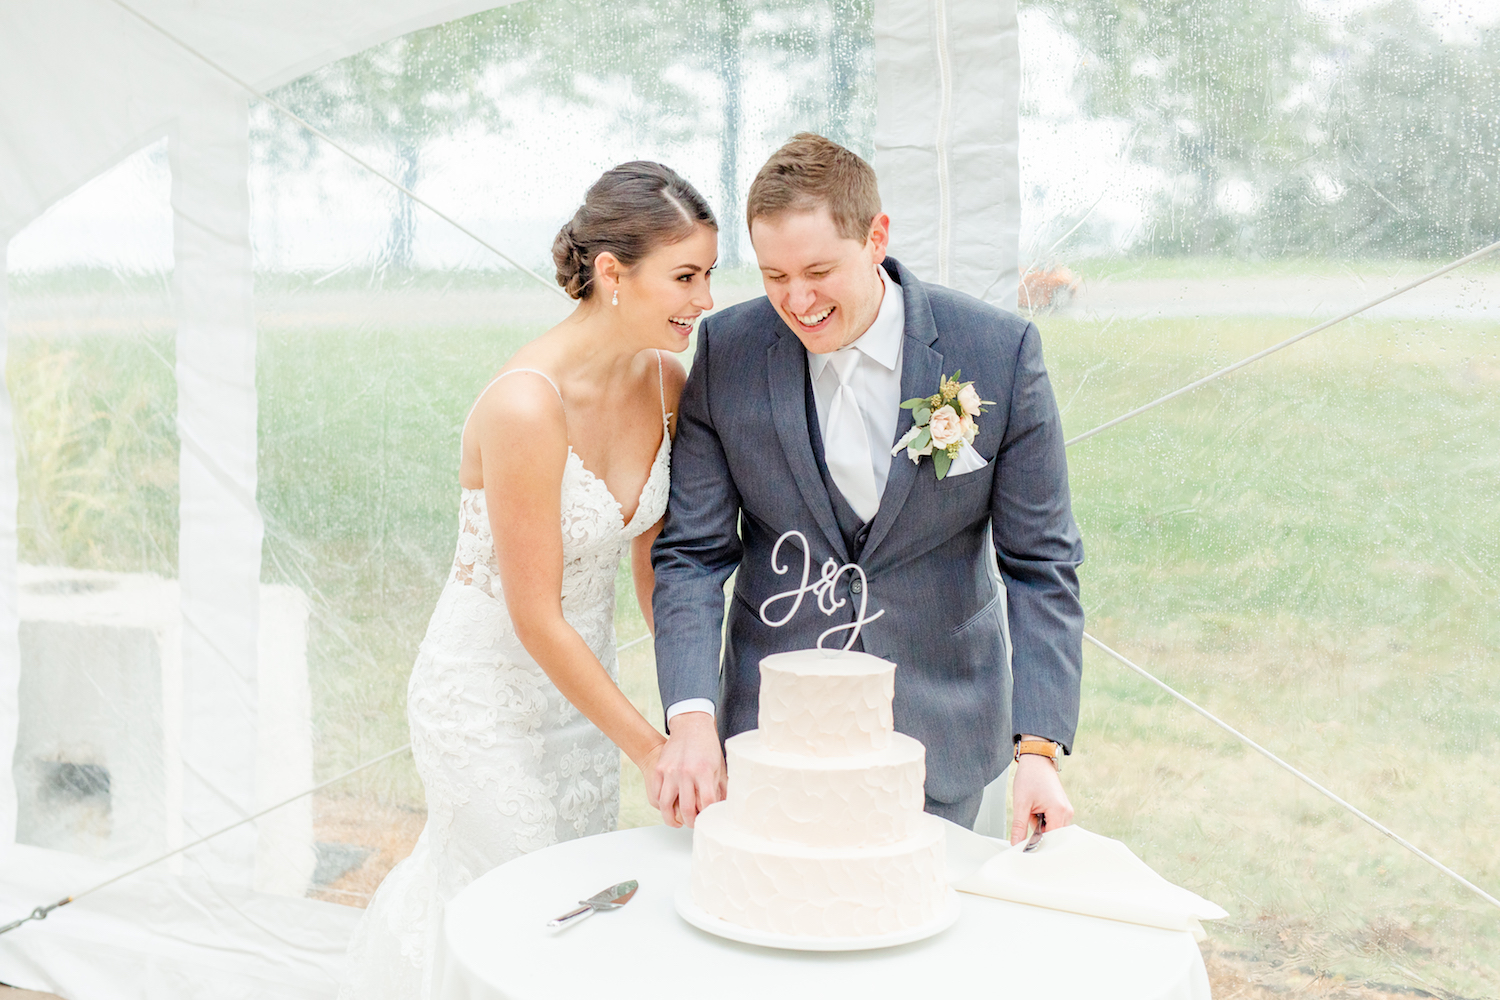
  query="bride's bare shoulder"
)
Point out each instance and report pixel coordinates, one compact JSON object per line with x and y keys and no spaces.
{"x":521,"y":401}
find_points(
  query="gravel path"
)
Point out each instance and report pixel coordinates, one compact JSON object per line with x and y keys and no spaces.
{"x":1461,"y":294}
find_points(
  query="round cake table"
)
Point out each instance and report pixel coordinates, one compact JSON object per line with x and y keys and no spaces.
{"x":496,"y":945}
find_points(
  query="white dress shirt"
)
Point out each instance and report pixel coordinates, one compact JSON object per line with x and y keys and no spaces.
{"x":877,"y":383}
{"x":876,"y":379}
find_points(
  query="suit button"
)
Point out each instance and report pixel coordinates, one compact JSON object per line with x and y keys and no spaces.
{"x":856,"y":587}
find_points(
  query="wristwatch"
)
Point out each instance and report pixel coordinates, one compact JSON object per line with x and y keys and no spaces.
{"x":1041,"y":748}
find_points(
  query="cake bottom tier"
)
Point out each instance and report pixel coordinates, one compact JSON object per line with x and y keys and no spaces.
{"x":818,"y":891}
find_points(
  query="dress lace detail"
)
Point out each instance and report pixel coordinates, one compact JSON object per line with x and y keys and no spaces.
{"x":508,"y":765}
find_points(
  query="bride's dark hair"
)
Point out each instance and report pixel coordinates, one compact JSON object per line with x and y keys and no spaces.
{"x":629,"y":212}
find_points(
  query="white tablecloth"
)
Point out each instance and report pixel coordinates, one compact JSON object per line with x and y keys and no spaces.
{"x":496,"y":946}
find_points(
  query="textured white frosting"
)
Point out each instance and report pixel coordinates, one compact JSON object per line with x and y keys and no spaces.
{"x":826,"y":704}
{"x":817,"y":891}
{"x":868,"y":799}
{"x":823,"y":833}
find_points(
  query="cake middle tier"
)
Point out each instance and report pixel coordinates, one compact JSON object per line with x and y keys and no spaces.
{"x":865,"y":800}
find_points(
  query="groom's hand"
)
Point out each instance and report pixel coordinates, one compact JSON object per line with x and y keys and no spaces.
{"x":690,"y":772}
{"x":1038,"y":791}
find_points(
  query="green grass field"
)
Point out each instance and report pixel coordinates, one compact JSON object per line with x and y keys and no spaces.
{"x":1309,"y":548}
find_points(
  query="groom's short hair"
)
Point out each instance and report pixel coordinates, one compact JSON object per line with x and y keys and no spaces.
{"x":810,"y":171}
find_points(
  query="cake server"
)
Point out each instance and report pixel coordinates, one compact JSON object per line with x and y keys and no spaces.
{"x":612,"y":898}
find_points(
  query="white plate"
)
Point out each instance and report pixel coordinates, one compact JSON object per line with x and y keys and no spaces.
{"x":700,"y":918}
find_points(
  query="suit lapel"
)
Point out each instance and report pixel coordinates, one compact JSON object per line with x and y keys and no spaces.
{"x":787,"y":362}
{"x":921,"y":367}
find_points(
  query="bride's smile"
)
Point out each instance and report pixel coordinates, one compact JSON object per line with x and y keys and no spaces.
{"x":657,"y":302}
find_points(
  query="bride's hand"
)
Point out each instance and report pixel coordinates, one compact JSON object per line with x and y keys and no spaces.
{"x":652,"y":773}
{"x":689,"y":774}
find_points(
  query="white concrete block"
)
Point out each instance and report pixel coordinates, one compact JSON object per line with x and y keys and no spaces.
{"x":98,"y":765}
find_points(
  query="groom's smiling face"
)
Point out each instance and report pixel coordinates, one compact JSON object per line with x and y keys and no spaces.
{"x":824,"y":286}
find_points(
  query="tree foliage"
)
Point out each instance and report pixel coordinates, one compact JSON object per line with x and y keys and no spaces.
{"x":671,"y":73}
{"x":1413,"y":126}
{"x":1371,"y":135}
{"x":1274,"y":129}
{"x":663,"y":74}
{"x":396,"y":97}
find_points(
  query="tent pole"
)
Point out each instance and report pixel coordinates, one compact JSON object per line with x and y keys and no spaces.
{"x":319,"y":133}
{"x":10,"y":643}
{"x":948,"y":83}
{"x":220,"y":533}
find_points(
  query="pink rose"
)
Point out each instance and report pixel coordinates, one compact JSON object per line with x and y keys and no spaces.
{"x":969,"y":400}
{"x":971,"y":429}
{"x":946,"y":427}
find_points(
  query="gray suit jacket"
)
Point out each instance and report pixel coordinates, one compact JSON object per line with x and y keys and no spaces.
{"x":745,"y":469}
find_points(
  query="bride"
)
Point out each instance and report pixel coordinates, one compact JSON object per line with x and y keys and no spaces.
{"x":516,"y":718}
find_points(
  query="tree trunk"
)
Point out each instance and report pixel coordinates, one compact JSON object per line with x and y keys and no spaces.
{"x":398,"y":246}
{"x":843,"y":67}
{"x":731,"y":214}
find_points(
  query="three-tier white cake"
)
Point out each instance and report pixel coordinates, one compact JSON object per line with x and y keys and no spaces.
{"x":823,"y":834}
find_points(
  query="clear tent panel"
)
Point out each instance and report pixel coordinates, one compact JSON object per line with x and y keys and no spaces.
{"x":89,"y":370}
{"x":379,"y":322}
{"x":1305,"y":547}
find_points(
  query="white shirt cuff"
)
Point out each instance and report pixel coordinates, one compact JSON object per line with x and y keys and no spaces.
{"x":689,"y":705}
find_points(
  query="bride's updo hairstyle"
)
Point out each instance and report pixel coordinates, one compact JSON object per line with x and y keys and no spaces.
{"x":629,"y":212}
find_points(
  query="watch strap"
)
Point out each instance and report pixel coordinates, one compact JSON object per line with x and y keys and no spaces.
{"x":1040,"y":748}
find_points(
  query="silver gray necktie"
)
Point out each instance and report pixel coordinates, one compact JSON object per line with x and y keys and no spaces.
{"x":846,"y":444}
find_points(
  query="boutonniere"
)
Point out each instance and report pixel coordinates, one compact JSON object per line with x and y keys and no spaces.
{"x":944,"y":423}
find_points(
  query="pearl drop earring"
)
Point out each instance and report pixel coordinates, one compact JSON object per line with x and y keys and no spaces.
{"x":616,"y":300}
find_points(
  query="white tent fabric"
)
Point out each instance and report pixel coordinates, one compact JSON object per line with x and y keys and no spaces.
{"x":946,"y":141}
{"x":219,"y":544}
{"x":159,"y":935}
{"x":10,"y":645}
{"x":86,"y":83}
{"x":101,"y":84}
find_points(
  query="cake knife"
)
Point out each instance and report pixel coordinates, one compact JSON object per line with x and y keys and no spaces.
{"x":1036,"y":838}
{"x":612,"y":898}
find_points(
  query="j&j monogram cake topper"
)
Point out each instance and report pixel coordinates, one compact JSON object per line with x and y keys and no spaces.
{"x":823,"y":589}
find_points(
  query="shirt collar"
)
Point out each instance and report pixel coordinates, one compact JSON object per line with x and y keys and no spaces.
{"x":881,"y":343}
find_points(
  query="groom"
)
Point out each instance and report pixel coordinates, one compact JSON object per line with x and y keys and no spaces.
{"x":787,"y":421}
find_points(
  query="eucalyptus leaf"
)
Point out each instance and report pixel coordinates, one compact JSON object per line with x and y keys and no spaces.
{"x":923,"y":415}
{"x":912,"y":404}
{"x":941,"y":462}
{"x":922,"y":440}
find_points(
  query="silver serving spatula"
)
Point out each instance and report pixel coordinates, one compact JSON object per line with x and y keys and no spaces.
{"x":612,"y":898}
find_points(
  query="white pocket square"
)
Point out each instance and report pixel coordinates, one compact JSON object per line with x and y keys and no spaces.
{"x":967,"y":460}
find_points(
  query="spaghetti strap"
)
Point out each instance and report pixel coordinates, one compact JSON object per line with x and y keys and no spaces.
{"x":661,"y":384}
{"x":534,"y":371}
{"x":513,"y":371}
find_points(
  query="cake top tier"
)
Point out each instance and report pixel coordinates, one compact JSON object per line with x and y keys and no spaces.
{"x":826,"y":704}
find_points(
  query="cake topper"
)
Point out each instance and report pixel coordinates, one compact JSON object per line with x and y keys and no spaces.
{"x":823,"y":589}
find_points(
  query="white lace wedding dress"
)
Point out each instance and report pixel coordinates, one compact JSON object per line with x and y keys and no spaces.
{"x":509,"y":766}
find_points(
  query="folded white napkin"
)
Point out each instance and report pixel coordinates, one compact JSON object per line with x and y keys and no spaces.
{"x":968,"y":459}
{"x":1079,"y":872}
